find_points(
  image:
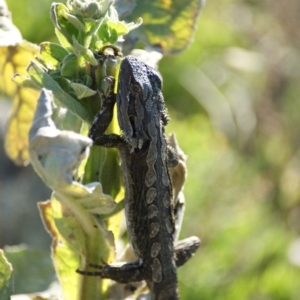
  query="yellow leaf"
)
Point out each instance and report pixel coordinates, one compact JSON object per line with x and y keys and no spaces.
{"x":64,"y":257}
{"x":16,"y":138}
{"x":15,"y":60}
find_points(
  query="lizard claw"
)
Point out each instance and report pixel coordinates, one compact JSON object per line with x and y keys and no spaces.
{"x":93,"y":273}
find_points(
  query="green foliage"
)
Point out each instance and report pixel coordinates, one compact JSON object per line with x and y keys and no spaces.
{"x":28,"y":275}
{"x":6,"y":279}
{"x":83,"y":29}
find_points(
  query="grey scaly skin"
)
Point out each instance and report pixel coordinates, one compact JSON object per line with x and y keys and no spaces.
{"x":145,"y":157}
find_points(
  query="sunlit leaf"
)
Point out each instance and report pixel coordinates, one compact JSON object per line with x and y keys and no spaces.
{"x":120,"y":27}
{"x":15,"y":55}
{"x":64,"y":257}
{"x":86,"y":53}
{"x":12,"y":60}
{"x":81,"y":90}
{"x":58,"y":10}
{"x":6,"y":280}
{"x":16,"y":138}
{"x":111,"y":30}
{"x":63,"y":40}
{"x":42,"y":79}
{"x":167,"y":25}
{"x":15,"y":59}
{"x":52,"y":54}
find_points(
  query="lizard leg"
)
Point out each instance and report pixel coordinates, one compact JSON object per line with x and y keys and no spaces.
{"x":185,"y":249}
{"x":126,"y":273}
{"x":102,"y":121}
{"x":105,"y":115}
{"x":134,"y":271}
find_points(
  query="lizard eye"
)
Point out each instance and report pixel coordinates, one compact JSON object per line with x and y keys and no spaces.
{"x":135,"y":88}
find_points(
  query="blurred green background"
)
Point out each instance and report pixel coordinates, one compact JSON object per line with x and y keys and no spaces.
{"x":233,"y":97}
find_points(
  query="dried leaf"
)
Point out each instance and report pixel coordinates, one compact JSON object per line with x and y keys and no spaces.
{"x":178,"y":176}
{"x":56,"y":156}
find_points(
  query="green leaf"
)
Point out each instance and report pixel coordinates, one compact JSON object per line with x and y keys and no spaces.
{"x":119,"y":27}
{"x":81,"y":90}
{"x":42,"y":79}
{"x":111,"y":29}
{"x":113,"y":36}
{"x":86,"y":53}
{"x":70,"y":67}
{"x":27,"y":261}
{"x":90,"y":29}
{"x":25,"y":82}
{"x":6,"y":279}
{"x":63,"y":40}
{"x":94,"y":165}
{"x":91,"y":9}
{"x":58,"y":12}
{"x":52,"y":55}
{"x":73,"y":20}
{"x":169,"y":25}
{"x":103,"y":32}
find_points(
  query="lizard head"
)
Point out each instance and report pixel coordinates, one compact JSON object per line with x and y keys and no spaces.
{"x":139,"y":100}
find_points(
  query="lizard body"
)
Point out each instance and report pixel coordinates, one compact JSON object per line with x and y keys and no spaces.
{"x":145,"y":157}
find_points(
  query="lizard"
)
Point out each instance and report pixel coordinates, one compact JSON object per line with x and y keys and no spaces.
{"x":145,"y":158}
